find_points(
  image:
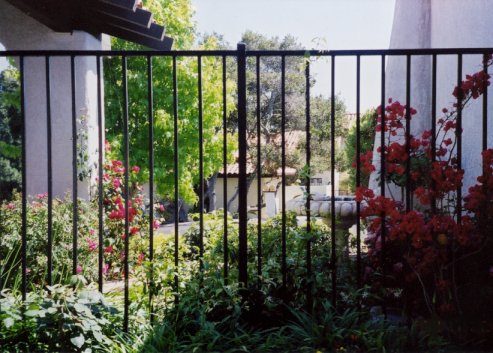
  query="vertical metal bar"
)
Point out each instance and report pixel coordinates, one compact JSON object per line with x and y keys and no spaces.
{"x":283,"y":166}
{"x":74,"y":169}
{"x":177,"y":174}
{"x":259,"y":175}
{"x":383,"y":171}
{"x":309,"y":298}
{"x":24,"y":184}
{"x":459,"y":134}
{"x":358,"y":170}
{"x":433,"y":125}
{"x":126,"y":191}
{"x":225,"y":176}
{"x":242,"y":163}
{"x":332,"y":185}
{"x":50,"y":172}
{"x":382,"y":134}
{"x":408,"y":133}
{"x":100,"y":176}
{"x":201,"y":162}
{"x":485,"y":105}
{"x":150,"y":117}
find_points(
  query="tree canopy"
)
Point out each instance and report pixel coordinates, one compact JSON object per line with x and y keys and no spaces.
{"x":176,"y":15}
{"x":295,"y":104}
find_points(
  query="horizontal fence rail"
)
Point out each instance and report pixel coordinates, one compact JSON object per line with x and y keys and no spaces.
{"x":242,"y":112}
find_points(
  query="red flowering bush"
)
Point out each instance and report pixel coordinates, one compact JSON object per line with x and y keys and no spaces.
{"x":428,"y":249}
{"x":115,"y":212}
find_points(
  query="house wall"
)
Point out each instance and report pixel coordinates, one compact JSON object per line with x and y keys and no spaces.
{"x":232,"y":184}
{"x":292,"y":191}
{"x":21,"y":32}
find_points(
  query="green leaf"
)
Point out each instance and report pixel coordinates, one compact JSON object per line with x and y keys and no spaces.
{"x":79,"y":307}
{"x":8,"y":322}
{"x":78,"y":341}
{"x":33,"y":313}
{"x":51,"y":310}
{"x":98,"y":335}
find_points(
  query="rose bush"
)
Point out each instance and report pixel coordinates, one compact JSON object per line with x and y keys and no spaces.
{"x":87,"y":232}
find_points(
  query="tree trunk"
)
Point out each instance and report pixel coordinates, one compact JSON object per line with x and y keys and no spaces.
{"x":250,"y":179}
{"x":211,"y":192}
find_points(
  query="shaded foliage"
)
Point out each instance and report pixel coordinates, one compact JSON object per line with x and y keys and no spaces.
{"x":10,"y":133}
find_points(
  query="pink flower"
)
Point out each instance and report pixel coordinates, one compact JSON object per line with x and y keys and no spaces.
{"x":120,"y":214}
{"x":92,"y":245}
{"x":108,"y":249}
{"x":156,"y":224}
{"x":138,"y":200}
{"x":92,"y":231}
{"x":116,"y":183}
{"x":42,"y":196}
{"x":140,"y":259}
{"x":135,"y":169}
{"x":11,"y":206}
{"x":105,"y":268}
{"x":79,"y":269}
{"x":134,"y":230}
{"x":161,"y":208}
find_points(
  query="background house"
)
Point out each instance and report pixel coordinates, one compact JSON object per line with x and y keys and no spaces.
{"x":272,"y":180}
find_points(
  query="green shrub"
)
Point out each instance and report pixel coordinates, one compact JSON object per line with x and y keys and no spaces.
{"x":37,"y":241}
{"x":298,"y":279}
{"x":59,"y":318}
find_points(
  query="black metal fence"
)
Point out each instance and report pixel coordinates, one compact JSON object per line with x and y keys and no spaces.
{"x":240,"y":56}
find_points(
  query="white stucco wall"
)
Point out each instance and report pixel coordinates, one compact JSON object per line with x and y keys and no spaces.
{"x":440,"y":24}
{"x":21,"y":32}
{"x":463,"y":24}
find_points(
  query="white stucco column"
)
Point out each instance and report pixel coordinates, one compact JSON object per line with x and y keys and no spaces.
{"x":411,"y":29}
{"x":440,"y":24}
{"x":464,"y":24}
{"x":21,"y":32}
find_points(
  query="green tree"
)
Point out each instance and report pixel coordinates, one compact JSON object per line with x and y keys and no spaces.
{"x":320,"y":112}
{"x":176,"y":15}
{"x":295,"y":117}
{"x":367,"y":136}
{"x":10,"y":133}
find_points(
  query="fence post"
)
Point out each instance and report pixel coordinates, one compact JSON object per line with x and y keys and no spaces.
{"x":242,"y":162}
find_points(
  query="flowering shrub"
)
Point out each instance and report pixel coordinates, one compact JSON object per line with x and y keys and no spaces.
{"x":115,"y":211}
{"x":87,"y":232}
{"x":37,"y":240}
{"x":427,"y":251}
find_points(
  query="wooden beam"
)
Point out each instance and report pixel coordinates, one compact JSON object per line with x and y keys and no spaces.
{"x":113,"y":17}
{"x":153,"y":30}
{"x":164,"y":43}
{"x":125,"y":4}
{"x":140,"y":16}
